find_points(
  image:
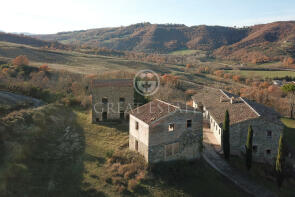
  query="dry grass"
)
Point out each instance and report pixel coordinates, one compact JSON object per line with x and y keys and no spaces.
{"x":110,"y":168}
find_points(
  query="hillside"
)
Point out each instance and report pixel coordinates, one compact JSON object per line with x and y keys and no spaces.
{"x":74,"y":61}
{"x":23,"y":39}
{"x":10,"y":102}
{"x":41,"y":153}
{"x":148,"y":37}
{"x":257,"y":44}
{"x":269,"y":42}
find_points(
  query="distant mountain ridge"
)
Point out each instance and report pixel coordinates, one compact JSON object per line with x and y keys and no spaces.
{"x":264,"y":42}
{"x":146,"y":37}
{"x":28,"y":40}
{"x":257,"y":44}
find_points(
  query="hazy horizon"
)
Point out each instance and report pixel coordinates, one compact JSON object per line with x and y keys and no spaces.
{"x":37,"y":17}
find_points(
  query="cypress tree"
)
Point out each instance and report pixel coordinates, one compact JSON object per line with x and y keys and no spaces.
{"x":280,"y":162}
{"x":249,"y":145}
{"x":226,"y":137}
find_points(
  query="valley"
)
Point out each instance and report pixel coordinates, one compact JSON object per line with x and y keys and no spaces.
{"x":50,"y":146}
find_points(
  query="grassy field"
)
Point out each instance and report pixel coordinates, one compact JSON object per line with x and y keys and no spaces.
{"x":263,"y":74}
{"x":90,"y":64}
{"x":185,"y":52}
{"x":290,"y":131}
{"x":198,"y":177}
{"x":56,"y":151}
{"x":77,"y":62}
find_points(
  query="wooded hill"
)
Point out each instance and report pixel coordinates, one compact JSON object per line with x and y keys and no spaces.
{"x":27,"y":40}
{"x":148,"y":37}
{"x":255,"y":44}
{"x":259,"y":43}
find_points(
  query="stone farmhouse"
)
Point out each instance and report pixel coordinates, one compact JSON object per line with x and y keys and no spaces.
{"x":264,"y":120}
{"x":111,"y":99}
{"x":162,"y":131}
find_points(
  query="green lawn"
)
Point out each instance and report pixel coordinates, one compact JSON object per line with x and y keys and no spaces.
{"x":184,"y":52}
{"x":290,"y":131}
{"x":263,"y":74}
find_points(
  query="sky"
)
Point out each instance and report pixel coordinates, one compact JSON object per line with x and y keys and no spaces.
{"x":44,"y":17}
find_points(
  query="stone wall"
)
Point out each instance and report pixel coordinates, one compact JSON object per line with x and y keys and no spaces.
{"x":239,"y":133}
{"x":114,"y":105}
{"x":142,"y":148}
{"x":152,"y":139}
{"x":141,"y":135}
{"x":189,"y":139}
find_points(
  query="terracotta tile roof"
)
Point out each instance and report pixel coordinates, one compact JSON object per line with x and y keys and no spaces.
{"x":112,"y":83}
{"x":218,"y":101}
{"x":157,"y":109}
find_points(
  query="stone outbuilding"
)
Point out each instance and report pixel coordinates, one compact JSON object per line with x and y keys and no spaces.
{"x":243,"y":112}
{"x":162,"y":131}
{"x":111,"y":99}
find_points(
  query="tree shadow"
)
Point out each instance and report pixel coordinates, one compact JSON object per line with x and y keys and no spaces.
{"x":191,"y":178}
{"x":52,"y":163}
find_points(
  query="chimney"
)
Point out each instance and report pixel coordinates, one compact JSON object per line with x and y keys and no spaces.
{"x":201,"y":107}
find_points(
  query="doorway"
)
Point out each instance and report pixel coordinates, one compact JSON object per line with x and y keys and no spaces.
{"x":122,"y":117}
{"x":104,"y":116}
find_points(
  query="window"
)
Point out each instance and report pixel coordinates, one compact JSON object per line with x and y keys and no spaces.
{"x":104,"y":100}
{"x":268,"y":133}
{"x":188,"y":123}
{"x":136,"y":125}
{"x":97,"y":119}
{"x":171,"y":127}
{"x":171,"y":149}
{"x":268,"y":151}
{"x":122,"y":100}
{"x":136,"y":145}
{"x":255,"y":149}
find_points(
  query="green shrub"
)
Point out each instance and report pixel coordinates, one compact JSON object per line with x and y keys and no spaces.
{"x":109,"y":153}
